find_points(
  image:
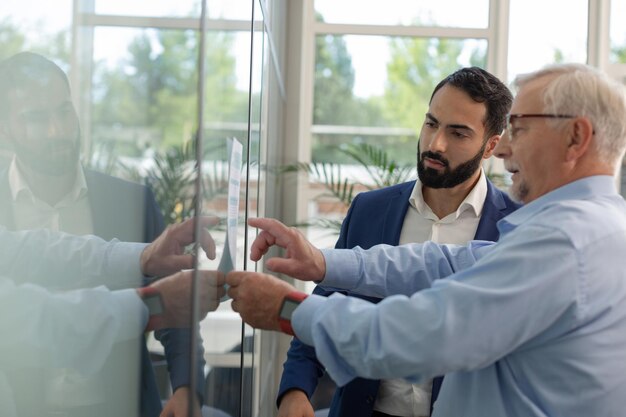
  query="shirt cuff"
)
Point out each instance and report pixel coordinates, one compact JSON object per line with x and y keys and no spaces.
{"x":302,"y":318}
{"x":342,"y":268}
{"x":132,"y":312}
{"x":124,"y":260}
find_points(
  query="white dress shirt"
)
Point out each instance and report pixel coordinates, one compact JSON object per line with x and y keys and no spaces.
{"x":72,"y":214}
{"x":65,"y":387}
{"x":397,"y":396}
{"x":45,"y":330}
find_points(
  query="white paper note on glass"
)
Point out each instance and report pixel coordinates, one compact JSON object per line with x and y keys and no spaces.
{"x":229,"y":254}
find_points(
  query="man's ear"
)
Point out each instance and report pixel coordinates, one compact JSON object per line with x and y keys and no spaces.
{"x":491,"y":146}
{"x":579,"y":138}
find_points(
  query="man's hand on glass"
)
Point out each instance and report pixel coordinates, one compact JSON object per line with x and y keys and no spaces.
{"x":167,"y":255}
{"x":302,"y":260}
{"x":176,"y":295}
{"x":257,"y":298}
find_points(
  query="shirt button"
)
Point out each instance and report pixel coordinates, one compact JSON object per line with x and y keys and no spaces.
{"x":369,"y":399}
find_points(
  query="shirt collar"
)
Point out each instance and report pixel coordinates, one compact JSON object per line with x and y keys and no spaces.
{"x":21,"y":191}
{"x":474,"y":201}
{"x":583,"y":189}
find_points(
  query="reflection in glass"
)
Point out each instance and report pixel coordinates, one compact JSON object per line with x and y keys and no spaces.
{"x":467,"y":14}
{"x":144,"y":116}
{"x":46,"y":187}
{"x":39,"y":26}
{"x":232,"y":111}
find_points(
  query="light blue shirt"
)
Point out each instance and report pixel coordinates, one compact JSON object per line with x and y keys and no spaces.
{"x":58,"y":328}
{"x":534,"y":325}
{"x":46,"y":329}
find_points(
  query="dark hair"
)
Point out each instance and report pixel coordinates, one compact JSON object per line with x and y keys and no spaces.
{"x":22,"y":70}
{"x":483,"y":87}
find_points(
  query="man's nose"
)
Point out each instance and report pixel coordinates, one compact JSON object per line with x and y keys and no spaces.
{"x":438,"y":144}
{"x":56,"y":127}
{"x":503,"y":147}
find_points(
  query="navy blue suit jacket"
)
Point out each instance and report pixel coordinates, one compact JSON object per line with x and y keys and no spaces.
{"x":128,"y":211}
{"x":375,"y":217}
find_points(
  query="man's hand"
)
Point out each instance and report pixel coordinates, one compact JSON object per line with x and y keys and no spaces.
{"x":175,"y":292}
{"x":295,"y":403}
{"x":257,"y":298}
{"x":302,"y":260}
{"x":178,"y":404}
{"x":166,"y":254}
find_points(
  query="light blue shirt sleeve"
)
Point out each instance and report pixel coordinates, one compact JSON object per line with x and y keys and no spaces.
{"x":385,"y":270}
{"x":48,"y":326}
{"x":58,"y":260}
{"x":75,"y":329}
{"x":447,"y":327}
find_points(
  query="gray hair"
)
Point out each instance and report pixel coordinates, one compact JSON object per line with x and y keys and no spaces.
{"x":582,"y":90}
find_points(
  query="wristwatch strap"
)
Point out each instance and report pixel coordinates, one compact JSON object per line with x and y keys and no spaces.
{"x":150,"y":296}
{"x":287,"y":306}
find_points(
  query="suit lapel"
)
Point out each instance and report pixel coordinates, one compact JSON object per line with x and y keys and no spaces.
{"x":394,"y":215}
{"x":492,"y":212}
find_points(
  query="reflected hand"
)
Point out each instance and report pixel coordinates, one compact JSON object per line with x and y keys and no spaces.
{"x":175,"y":292}
{"x":295,"y":403}
{"x":166,"y":254}
{"x":178,"y":404}
{"x":257,"y":298}
{"x":302,"y":260}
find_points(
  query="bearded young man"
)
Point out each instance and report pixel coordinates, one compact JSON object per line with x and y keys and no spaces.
{"x":451,"y":202}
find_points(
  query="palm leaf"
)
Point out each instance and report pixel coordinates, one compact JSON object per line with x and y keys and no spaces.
{"x":382,"y":172}
{"x":329,"y":174}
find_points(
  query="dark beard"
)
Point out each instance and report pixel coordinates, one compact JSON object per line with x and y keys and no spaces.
{"x":448,"y":178}
{"x":54,"y":157}
{"x":47,"y":159}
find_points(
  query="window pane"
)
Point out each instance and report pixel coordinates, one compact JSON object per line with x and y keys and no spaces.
{"x":377,"y":88}
{"x":216,"y":9}
{"x":86,"y":365}
{"x":144,"y":92}
{"x":331,"y":147}
{"x":533,"y":39}
{"x":144,"y":116}
{"x":36,"y":26}
{"x":618,"y":31}
{"x":157,"y":8}
{"x":467,"y":14}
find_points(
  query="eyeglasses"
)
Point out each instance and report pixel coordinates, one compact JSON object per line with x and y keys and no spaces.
{"x":510,"y":118}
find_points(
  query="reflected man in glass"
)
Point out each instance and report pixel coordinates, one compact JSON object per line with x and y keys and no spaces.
{"x":46,"y":187}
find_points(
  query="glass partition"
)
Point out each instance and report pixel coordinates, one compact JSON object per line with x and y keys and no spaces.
{"x":99,"y":135}
{"x":119,"y":118}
